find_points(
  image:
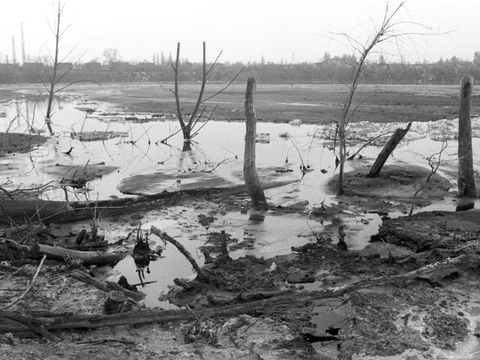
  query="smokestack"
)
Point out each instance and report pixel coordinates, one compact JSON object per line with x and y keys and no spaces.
{"x":14,"y":58}
{"x":23,"y":43}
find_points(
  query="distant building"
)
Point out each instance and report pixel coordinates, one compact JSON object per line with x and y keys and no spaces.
{"x":66,"y":66}
{"x":92,"y":66}
{"x":33,"y":67}
{"x":8,"y":67}
{"x":120,"y":66}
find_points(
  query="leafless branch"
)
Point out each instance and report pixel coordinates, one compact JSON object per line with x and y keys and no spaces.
{"x":214,"y":63}
{"x":202,"y":87}
{"x":175,"y":92}
{"x":434,"y":165}
{"x":210,"y":117}
{"x":226,"y":86}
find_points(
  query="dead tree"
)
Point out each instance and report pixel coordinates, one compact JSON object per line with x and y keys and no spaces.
{"x":386,"y":31}
{"x":387,"y":150}
{"x":466,"y":181}
{"x":53,"y":78}
{"x":249,"y":169}
{"x":189,"y":126}
{"x":56,"y":75}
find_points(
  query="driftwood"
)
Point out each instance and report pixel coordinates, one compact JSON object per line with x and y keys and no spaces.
{"x":276,"y":305}
{"x":87,"y":258}
{"x":87,"y":245}
{"x":391,"y":144}
{"x":106,"y":286}
{"x":165,"y":237}
{"x":24,"y":211}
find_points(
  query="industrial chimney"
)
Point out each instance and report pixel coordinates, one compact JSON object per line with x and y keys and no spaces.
{"x":23,"y":43}
{"x":14,"y":58}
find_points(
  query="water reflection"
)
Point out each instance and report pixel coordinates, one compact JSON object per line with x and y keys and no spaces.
{"x":464,"y":204}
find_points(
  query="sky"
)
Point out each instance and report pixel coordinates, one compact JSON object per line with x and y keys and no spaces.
{"x":246,"y":30}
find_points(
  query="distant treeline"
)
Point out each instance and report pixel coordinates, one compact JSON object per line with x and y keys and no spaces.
{"x":330,"y":70}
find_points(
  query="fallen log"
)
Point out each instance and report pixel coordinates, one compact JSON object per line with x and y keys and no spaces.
{"x":27,"y":323}
{"x":106,"y":285}
{"x":87,"y":258}
{"x":87,"y":246}
{"x":26,"y":211}
{"x":276,"y":305}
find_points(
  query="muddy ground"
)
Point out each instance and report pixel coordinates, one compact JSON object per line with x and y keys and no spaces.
{"x":311,"y":103}
{"x":431,"y":314}
{"x":314,"y":103}
{"x":412,"y":293}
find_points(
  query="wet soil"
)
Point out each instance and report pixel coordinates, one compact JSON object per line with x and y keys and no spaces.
{"x":86,"y":171}
{"x":395,"y":182}
{"x":421,"y":317}
{"x":431,"y":230}
{"x":312,"y":103}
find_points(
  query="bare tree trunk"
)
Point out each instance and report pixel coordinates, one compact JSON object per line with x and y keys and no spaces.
{"x":249,"y":170}
{"x":177,"y":95}
{"x":187,"y":145}
{"x":53,"y":79}
{"x":387,"y":150}
{"x":342,"y":146}
{"x":466,"y":181}
{"x":189,"y":125}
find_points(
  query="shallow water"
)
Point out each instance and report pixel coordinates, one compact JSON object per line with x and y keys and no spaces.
{"x":219,"y":146}
{"x":275,"y":236}
{"x":218,"y":142}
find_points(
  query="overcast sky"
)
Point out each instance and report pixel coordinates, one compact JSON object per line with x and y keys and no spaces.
{"x":246,"y":30}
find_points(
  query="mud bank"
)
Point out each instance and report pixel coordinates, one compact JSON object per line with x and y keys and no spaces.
{"x":395,"y":182}
{"x":19,"y":143}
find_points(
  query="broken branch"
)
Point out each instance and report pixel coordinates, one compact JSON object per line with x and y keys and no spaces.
{"x":106,"y":286}
{"x":165,"y":237}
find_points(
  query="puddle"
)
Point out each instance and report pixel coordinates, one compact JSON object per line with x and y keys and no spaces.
{"x":274,"y":236}
{"x":169,"y":266}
